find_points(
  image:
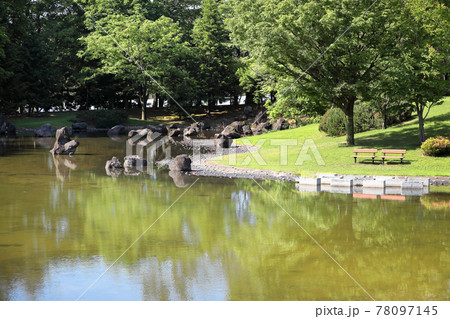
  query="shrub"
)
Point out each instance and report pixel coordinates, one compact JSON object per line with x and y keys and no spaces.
{"x":333,"y":122}
{"x":436,"y":146}
{"x":103,"y":118}
{"x":366,"y":118}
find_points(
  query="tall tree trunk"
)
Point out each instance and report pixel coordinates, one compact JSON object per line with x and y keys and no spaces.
{"x":421,"y":123}
{"x":211,"y":104}
{"x":143,"y":96}
{"x":236,"y":100}
{"x":249,"y":96}
{"x":155,"y":101}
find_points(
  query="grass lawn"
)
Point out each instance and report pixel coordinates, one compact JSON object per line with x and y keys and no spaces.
{"x":62,"y":119}
{"x":337,"y":156}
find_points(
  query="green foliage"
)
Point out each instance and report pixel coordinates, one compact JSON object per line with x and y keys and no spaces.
{"x":366,"y":118}
{"x":217,"y":67}
{"x":103,"y":118}
{"x":333,"y":122}
{"x":436,"y":146}
{"x":296,"y":43}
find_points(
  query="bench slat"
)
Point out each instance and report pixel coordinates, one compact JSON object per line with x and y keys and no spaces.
{"x":387,"y":151}
{"x":365,"y":150}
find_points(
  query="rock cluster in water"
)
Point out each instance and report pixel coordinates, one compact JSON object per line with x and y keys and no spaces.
{"x":64,"y":145}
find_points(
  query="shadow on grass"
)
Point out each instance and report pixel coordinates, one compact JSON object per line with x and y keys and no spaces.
{"x":386,"y":163}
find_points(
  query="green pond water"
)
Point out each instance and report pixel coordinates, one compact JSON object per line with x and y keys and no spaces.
{"x":63,"y":222}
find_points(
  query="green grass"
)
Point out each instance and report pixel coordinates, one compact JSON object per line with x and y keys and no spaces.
{"x":337,"y":156}
{"x":55,"y":119}
{"x":62,"y":119}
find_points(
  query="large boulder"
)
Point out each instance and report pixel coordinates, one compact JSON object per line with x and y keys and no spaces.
{"x":138,"y":134}
{"x":192,"y":130}
{"x":160,"y":128}
{"x":233,"y":130}
{"x":280,"y":124}
{"x":195,"y":129}
{"x":44,"y":131}
{"x":247,"y":130}
{"x":134,"y":161}
{"x":261,"y":117}
{"x":116,"y":131}
{"x":223,"y":142}
{"x":79,"y":127}
{"x":261,"y":128}
{"x":180,"y":163}
{"x":64,"y":145}
{"x":175,"y":132}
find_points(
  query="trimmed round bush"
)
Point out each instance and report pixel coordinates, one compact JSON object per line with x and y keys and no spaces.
{"x":333,"y":122}
{"x":436,"y":146}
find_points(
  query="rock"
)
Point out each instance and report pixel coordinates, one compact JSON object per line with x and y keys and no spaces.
{"x":173,"y":126}
{"x":248,"y":111}
{"x":233,"y":130}
{"x":247,"y":130}
{"x":260,"y":117}
{"x":134,"y":161}
{"x":44,"y":131}
{"x":180,"y":163}
{"x":114,"y":163}
{"x":79,"y":127}
{"x":196,"y":128}
{"x":64,"y":145}
{"x":281,"y":124}
{"x":136,"y":135}
{"x":175,"y":132}
{"x":116,"y":130}
{"x":11,"y":129}
{"x":191,"y":131}
{"x":153,"y":136}
{"x":261,"y":128}
{"x":224,"y":142}
{"x":204,"y":125}
{"x":160,"y":128}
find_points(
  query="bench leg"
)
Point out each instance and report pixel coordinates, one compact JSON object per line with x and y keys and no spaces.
{"x":355,"y":159}
{"x":383,"y":161}
{"x":373,"y":160}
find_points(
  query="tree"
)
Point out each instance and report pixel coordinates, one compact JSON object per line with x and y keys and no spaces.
{"x":418,"y":74}
{"x":326,"y":52}
{"x":217,"y":67}
{"x":146,"y":53}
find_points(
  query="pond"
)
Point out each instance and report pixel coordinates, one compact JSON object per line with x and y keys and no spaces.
{"x":64,"y":222}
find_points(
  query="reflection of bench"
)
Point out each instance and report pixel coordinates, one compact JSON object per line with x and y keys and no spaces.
{"x":400,"y":156}
{"x":364,"y":151}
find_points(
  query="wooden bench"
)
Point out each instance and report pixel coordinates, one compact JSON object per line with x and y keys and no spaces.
{"x":400,"y":156}
{"x":372,"y":151}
